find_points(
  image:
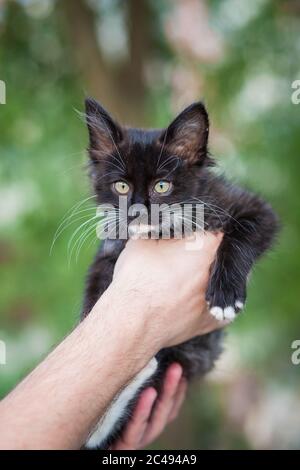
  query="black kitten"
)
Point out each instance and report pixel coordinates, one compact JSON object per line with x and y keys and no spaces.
{"x":173,"y":166}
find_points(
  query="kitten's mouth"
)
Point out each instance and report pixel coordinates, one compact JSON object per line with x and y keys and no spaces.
{"x":174,"y":221}
{"x":141,"y":229}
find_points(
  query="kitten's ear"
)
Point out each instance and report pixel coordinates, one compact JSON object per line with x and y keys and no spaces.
{"x":187,"y":135}
{"x":104,"y":133}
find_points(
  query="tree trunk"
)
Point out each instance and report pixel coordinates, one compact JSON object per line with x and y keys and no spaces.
{"x":122,"y":91}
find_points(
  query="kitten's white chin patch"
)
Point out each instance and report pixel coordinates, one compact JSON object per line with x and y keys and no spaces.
{"x":137,"y":230}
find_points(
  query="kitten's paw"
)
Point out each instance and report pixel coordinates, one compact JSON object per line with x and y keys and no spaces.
{"x":239,"y":305}
{"x":226,"y":295}
{"x":227,"y":313}
{"x":223,"y":309}
{"x":225,"y":304}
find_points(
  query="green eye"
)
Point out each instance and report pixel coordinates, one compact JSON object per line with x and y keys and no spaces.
{"x":162,"y":187}
{"x":121,"y":187}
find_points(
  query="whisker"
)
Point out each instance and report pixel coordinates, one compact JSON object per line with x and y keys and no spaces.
{"x":63,"y":228}
{"x":173,"y":169}
{"x":186,"y":219}
{"x":165,"y":162}
{"x":80,"y":241}
{"x":84,"y":238}
{"x":162,"y":148}
{"x":82,"y":166}
{"x":117,"y":163}
{"x":103,"y":176}
{"x":191,"y":201}
{"x":208,"y":206}
{"x":69,"y":213}
{"x":94,"y":123}
{"x":222,"y":211}
{"x":79,"y":228}
{"x":118,"y":160}
{"x":109,"y":133}
{"x":122,"y":170}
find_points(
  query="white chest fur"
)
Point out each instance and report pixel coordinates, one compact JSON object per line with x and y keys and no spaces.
{"x":118,"y":407}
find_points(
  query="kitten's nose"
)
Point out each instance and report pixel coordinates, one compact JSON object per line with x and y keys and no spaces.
{"x":130,"y":218}
{"x":138,"y":199}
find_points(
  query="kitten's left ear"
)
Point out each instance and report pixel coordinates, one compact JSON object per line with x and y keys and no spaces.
{"x":187,"y":135}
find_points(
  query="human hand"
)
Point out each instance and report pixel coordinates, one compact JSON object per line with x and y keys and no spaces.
{"x":164,"y":286}
{"x":152,"y":415}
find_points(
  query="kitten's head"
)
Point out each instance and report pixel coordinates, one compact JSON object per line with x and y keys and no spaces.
{"x":147,"y":166}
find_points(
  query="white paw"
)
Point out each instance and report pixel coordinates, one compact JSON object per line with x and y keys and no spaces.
{"x":238,"y":304}
{"x":228,"y":313}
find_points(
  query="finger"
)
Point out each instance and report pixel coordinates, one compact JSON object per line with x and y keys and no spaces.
{"x":179,"y":399}
{"x":164,"y":404}
{"x":135,"y":429}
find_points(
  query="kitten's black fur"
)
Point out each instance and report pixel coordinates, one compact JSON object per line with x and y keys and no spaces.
{"x":180,"y":151}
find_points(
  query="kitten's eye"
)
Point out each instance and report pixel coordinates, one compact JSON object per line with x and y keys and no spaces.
{"x":162,"y":187}
{"x":121,"y":187}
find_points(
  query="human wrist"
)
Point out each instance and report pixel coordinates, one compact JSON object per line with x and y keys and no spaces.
{"x":124,"y":314}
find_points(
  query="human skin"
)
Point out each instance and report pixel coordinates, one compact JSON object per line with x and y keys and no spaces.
{"x":151,"y":414}
{"x":156,"y":300}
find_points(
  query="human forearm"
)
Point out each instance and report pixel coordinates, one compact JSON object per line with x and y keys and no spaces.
{"x":61,"y":400}
{"x":156,"y":300}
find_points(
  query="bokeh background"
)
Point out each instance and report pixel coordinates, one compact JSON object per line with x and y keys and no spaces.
{"x":145,"y":60}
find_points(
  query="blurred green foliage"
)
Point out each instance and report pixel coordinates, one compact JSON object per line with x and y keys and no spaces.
{"x":256,"y":140}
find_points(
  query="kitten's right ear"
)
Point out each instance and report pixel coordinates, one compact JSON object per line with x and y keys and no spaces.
{"x":104,"y":133}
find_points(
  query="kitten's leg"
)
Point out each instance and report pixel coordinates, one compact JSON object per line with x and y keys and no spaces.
{"x":100,"y":273}
{"x":250,"y":232}
{"x":117,"y":409}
